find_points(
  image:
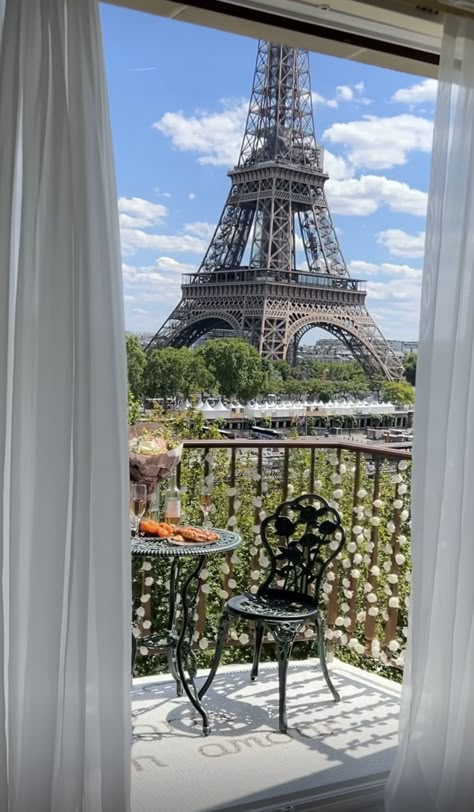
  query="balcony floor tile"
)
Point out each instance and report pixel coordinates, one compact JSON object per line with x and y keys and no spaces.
{"x":245,"y":763}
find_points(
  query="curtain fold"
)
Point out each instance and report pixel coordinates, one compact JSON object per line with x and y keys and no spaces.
{"x":63,"y":424}
{"x":434,"y":769}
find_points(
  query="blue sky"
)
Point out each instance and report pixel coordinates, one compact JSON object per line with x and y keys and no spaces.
{"x":178,"y":97}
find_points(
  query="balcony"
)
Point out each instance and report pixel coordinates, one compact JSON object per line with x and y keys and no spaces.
{"x":334,"y":752}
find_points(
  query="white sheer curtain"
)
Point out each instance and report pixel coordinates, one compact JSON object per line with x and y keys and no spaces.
{"x":64,"y":688}
{"x":434,"y":768}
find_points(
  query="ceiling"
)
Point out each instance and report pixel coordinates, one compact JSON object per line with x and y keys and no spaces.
{"x":399,"y":34}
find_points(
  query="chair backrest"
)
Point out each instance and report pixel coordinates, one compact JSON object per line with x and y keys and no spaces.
{"x":302,"y":537}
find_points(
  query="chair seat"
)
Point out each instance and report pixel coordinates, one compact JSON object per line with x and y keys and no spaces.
{"x":270,"y":608}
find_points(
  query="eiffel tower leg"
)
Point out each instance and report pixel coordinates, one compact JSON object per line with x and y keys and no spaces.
{"x":273,"y":341}
{"x":294,"y":352}
{"x":357,"y":330}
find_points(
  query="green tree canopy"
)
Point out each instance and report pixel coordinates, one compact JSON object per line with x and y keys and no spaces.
{"x":236,"y":366}
{"x":399,"y":392}
{"x":136,"y":362}
{"x":348,"y":377}
{"x":133,"y":409}
{"x":323,"y":390}
{"x":171,"y":373}
{"x":409,"y":365}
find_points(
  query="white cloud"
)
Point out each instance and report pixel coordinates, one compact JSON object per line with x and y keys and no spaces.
{"x":170,"y":265}
{"x":401,"y":244}
{"x":397,"y":319}
{"x":151,"y":291}
{"x":395,"y":306}
{"x":138,"y":213}
{"x":394,"y":290}
{"x":216,"y":137}
{"x":318,"y":99}
{"x":145,"y":283}
{"x":364,"y":195}
{"x":134,"y":239}
{"x":424,"y":91}
{"x":393,"y":296}
{"x":192,"y":196}
{"x":126,"y":221}
{"x":159,"y":193}
{"x":380,"y":143}
{"x":336,"y":166}
{"x":360,"y":269}
{"x":200,"y":229}
{"x":344,"y":93}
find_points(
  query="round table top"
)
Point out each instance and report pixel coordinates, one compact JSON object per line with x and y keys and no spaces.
{"x":151,"y":546}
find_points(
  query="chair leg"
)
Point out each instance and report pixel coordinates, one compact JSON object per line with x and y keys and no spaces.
{"x":221,"y":638}
{"x":322,"y":658}
{"x":257,"y":650}
{"x":284,"y":637}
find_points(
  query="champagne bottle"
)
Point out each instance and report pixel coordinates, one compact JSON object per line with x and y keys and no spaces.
{"x":173,"y":501}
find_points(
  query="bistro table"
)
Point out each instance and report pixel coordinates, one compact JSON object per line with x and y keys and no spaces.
{"x":179,"y":647}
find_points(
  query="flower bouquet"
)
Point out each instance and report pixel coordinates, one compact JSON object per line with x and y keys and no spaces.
{"x":151,"y":456}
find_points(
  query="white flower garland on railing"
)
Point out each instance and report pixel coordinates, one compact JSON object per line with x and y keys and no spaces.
{"x":359,"y":547}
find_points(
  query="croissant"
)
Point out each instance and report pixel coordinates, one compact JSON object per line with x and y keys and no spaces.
{"x":151,"y":528}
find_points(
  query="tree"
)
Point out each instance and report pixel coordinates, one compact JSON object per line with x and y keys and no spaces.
{"x":398,"y":392}
{"x":133,"y":409}
{"x":171,"y":373}
{"x":323,"y":390}
{"x":409,"y":365}
{"x":236,"y":366}
{"x":198,"y":378}
{"x":346,"y":377}
{"x":282,"y":368}
{"x":377,"y":384}
{"x":165,"y":372}
{"x":136,"y":363}
{"x":294,"y":388}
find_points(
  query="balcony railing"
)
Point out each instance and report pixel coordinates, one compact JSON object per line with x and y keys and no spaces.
{"x":367,"y":587}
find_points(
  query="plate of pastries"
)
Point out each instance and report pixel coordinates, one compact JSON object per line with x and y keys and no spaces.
{"x":177,"y":534}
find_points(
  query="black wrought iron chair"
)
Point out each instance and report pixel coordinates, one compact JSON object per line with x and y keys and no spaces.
{"x":301,"y":538}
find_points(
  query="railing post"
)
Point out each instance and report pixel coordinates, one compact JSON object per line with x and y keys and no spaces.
{"x":372,"y":579}
{"x":200,"y":609}
{"x":354,"y":582}
{"x":231,"y":512}
{"x":391,"y":625}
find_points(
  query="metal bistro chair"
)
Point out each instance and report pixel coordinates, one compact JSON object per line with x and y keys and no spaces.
{"x":302,"y":537}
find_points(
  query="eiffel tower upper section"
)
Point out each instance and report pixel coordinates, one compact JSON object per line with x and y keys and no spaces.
{"x":276,"y":213}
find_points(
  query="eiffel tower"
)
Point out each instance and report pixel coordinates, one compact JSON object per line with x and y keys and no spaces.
{"x":249,"y":281}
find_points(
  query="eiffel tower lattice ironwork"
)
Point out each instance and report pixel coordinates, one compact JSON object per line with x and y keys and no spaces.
{"x":249,"y":281}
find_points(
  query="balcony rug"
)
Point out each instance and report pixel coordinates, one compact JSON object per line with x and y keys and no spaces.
{"x":246,"y":764}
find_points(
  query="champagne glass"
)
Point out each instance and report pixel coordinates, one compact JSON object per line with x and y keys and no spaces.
{"x":154,"y":503}
{"x":138,"y":499}
{"x":206,"y":503}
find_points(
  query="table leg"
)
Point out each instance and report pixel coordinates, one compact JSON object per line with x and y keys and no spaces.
{"x":185,"y":657}
{"x":172,"y":633}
